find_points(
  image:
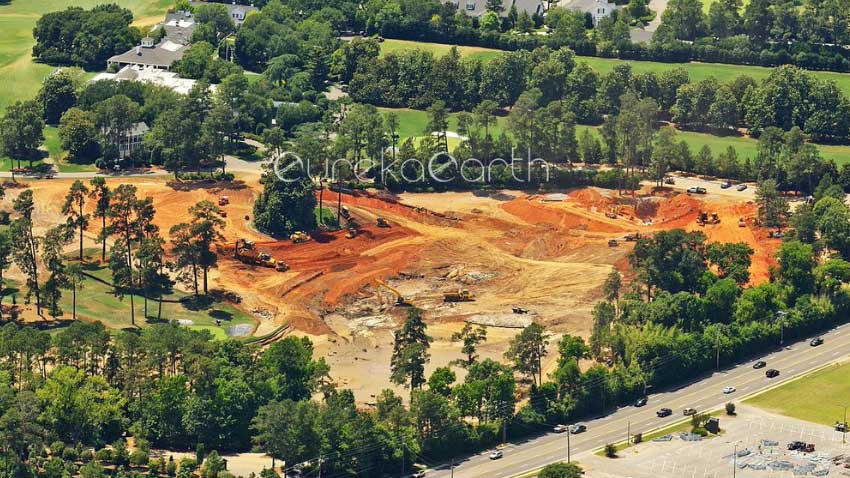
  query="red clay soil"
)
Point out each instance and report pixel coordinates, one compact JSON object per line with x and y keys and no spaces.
{"x":534,"y":212}
{"x":590,"y":197}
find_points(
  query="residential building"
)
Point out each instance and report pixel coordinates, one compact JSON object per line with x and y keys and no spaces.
{"x":133,"y":140}
{"x":598,"y":9}
{"x":238,"y":13}
{"x":477,"y":8}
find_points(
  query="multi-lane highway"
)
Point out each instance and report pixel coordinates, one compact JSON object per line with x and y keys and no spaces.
{"x":704,"y":395}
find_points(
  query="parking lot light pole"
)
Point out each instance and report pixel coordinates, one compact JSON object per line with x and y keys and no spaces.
{"x":735,"y":461}
{"x":569,"y":432}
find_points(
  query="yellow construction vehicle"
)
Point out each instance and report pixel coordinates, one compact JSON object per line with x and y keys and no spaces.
{"x":299,"y":236}
{"x":462,"y":295}
{"x":400,"y":300}
{"x":352,"y":228}
{"x":704,"y":218}
{"x":246,"y":252}
{"x":383,"y":222}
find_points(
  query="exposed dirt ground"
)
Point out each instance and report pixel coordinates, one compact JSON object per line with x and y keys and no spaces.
{"x":508,"y":248}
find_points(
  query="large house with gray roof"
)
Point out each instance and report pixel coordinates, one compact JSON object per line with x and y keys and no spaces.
{"x":477,"y":8}
{"x":597,"y":9}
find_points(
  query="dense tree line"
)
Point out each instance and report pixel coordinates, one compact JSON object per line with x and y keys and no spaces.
{"x":86,"y":38}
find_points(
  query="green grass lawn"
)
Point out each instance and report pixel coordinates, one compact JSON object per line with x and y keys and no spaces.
{"x":438,"y":49}
{"x":819,"y":397}
{"x":696,"y":71}
{"x":96,"y":301}
{"x":19,"y":75}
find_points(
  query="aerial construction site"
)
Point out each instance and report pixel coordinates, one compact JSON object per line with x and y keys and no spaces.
{"x":501,"y":259}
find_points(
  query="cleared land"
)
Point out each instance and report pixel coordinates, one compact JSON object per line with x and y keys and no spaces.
{"x":696,"y":71}
{"x":819,"y":397}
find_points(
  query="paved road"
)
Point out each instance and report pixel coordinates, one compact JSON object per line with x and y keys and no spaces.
{"x":704,"y":395}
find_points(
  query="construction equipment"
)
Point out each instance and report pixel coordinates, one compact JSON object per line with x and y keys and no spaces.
{"x":400,"y":300}
{"x":222,"y":213}
{"x":461,"y":295}
{"x":223,"y":200}
{"x":383,"y":222}
{"x":352,"y":228}
{"x":344,"y":212}
{"x":742,"y":222}
{"x":705,"y":218}
{"x":246,"y":252}
{"x":299,"y":236}
{"x":519,"y":310}
{"x":632,"y":237}
{"x":613,"y":243}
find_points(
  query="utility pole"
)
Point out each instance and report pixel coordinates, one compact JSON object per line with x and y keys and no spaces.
{"x":780,"y":317}
{"x":735,"y":461}
{"x":717,"y":346}
{"x":629,"y":433}
{"x":569,"y":432}
{"x":844,"y":427}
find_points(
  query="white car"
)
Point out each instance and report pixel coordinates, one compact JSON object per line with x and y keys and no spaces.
{"x":729,"y":390}
{"x":418,"y":474}
{"x":495,"y":455}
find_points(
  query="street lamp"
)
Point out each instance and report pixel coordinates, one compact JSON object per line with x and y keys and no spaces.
{"x":735,"y":460}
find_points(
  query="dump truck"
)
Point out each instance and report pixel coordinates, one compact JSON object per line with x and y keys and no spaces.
{"x":352,"y":229}
{"x":344,"y":212}
{"x":245,"y":251}
{"x":299,"y":236}
{"x":383,"y":222}
{"x":461,"y":295}
{"x":400,"y":300}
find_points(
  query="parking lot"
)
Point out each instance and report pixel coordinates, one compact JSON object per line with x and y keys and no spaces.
{"x":760,"y":439}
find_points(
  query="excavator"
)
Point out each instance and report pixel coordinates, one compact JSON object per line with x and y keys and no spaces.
{"x":245,"y":251}
{"x":704,"y":218}
{"x":383,"y":222}
{"x":400,"y":300}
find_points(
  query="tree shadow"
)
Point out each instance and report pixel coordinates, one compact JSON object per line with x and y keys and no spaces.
{"x":221,"y":315}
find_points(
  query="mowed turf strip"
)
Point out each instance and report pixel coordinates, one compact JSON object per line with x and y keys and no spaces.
{"x":819,"y":397}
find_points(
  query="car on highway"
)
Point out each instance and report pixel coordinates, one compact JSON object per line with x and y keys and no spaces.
{"x":771,"y":373}
{"x":560,"y":428}
{"x":418,"y":474}
{"x":689,"y":411}
{"x":496,"y":455}
{"x":696,"y":190}
{"x":728,"y":390}
{"x":726,"y":185}
{"x":742,"y":187}
{"x":664,"y":412}
{"x":760,"y":364}
{"x":578,"y":428}
{"x":640,"y":402}
{"x":816,"y":341}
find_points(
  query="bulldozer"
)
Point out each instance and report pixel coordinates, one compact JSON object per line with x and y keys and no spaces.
{"x":383,"y":222}
{"x":299,"y":236}
{"x":400,"y":300}
{"x":245,"y":251}
{"x":352,"y":229}
{"x":461,"y":295}
{"x":705,"y":218}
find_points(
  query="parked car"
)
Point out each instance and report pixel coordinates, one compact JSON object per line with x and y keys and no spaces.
{"x":772,"y":373}
{"x":796,"y":445}
{"x":496,"y":455}
{"x":760,"y":364}
{"x":742,"y":187}
{"x":669,"y":180}
{"x":560,"y":428}
{"x":578,"y":428}
{"x":696,"y":190}
{"x":841,"y":427}
{"x":689,"y":411}
{"x":816,"y":341}
{"x":664,"y":412}
{"x":640,"y":402}
{"x":726,"y":185}
{"x":728,"y":390}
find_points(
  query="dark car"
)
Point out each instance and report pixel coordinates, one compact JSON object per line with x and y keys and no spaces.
{"x":771,"y":373}
{"x":664,"y":412}
{"x":841,"y":427}
{"x":760,"y":364}
{"x":640,"y":402}
{"x":578,"y":428}
{"x":726,"y":185}
{"x":816,"y":341}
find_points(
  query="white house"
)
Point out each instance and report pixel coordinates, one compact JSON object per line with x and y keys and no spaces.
{"x":598,"y":9}
{"x":477,"y":8}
